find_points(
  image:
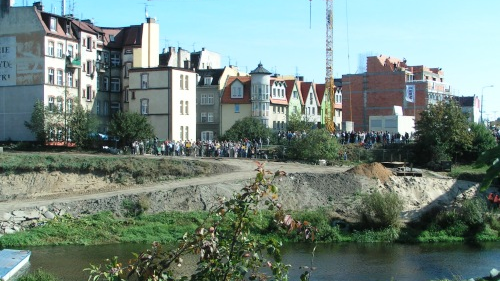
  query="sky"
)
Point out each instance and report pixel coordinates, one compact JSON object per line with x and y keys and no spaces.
{"x":289,"y":36}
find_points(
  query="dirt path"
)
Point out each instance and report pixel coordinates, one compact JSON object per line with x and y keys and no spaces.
{"x":245,"y":170}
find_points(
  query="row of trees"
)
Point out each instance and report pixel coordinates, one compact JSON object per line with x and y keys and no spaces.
{"x":80,"y":126}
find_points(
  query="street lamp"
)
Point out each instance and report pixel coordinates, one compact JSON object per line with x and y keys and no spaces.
{"x":482,"y":90}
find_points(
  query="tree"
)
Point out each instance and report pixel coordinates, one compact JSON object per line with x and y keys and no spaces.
{"x":37,"y":122}
{"x":83,"y":127}
{"x":314,"y":145}
{"x":249,"y":128}
{"x":491,"y":158}
{"x":442,"y":133}
{"x":129,"y":127}
{"x":297,"y":123}
{"x":225,"y":246}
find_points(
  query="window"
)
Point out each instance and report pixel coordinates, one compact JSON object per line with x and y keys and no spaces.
{"x":182,"y":106}
{"x":210,"y":117}
{"x":313,"y":110}
{"x":69,"y":106}
{"x":105,"y":83}
{"x":186,"y":82}
{"x":51,"y":76}
{"x":274,"y":92}
{"x":187,"y":132}
{"x":203,"y":117}
{"x":112,"y":38}
{"x":237,"y":92}
{"x":115,"y":84}
{"x":89,"y":93}
{"x":182,"y":132}
{"x":274,"y":108}
{"x":115,"y":107}
{"x":144,"y":106}
{"x":89,"y":43}
{"x":53,"y":24}
{"x":207,"y":135}
{"x":59,"y":50}
{"x":310,"y":100}
{"x":70,"y":51}
{"x":236,"y":108}
{"x":89,"y":67}
{"x":186,"y":107}
{"x":98,"y":108}
{"x":115,"y":59}
{"x":295,"y":94}
{"x":126,"y":95}
{"x":207,"y":99}
{"x":182,"y":82}
{"x":144,"y":80}
{"x":128,"y":66}
{"x":105,"y":109}
{"x":59,"y":77}
{"x":59,"y":104}
{"x":207,"y":80}
{"x":105,"y":56}
{"x":51,"y":49}
{"x":51,"y":104}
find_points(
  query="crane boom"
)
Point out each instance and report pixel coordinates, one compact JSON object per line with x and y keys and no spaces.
{"x":329,"y":80}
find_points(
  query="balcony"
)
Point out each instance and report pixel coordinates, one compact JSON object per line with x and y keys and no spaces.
{"x":73,"y":62}
{"x":102,"y":67}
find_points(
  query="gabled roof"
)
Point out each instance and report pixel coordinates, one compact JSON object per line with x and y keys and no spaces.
{"x":304,"y":88}
{"x":289,"y":89}
{"x":226,"y":95}
{"x":214,"y":73}
{"x":60,"y":21}
{"x":320,"y":92}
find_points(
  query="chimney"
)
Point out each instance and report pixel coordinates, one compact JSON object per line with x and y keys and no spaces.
{"x":150,"y":20}
{"x":38,"y":5}
{"x":186,"y":64}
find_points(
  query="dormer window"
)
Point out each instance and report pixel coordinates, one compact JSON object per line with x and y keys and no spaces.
{"x":236,"y":92}
{"x":111,"y":38}
{"x":53,"y":24}
{"x":208,"y":80}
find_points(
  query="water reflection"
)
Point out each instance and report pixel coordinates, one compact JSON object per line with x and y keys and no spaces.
{"x":333,"y":261}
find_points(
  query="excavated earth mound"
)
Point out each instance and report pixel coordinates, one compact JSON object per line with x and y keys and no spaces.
{"x":372,"y":170}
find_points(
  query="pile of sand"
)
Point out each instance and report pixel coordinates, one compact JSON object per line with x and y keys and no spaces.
{"x":372,"y":170}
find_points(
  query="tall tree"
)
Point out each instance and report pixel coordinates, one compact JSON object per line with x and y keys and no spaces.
{"x":37,"y":122}
{"x":82,"y":125}
{"x":442,"y":133}
{"x":249,"y":128}
{"x":130,"y":127}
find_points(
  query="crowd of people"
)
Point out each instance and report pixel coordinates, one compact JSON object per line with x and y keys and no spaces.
{"x":245,"y":148}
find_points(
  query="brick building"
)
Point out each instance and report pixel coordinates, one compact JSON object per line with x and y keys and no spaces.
{"x":383,"y":86}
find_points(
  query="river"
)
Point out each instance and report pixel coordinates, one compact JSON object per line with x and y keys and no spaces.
{"x":347,"y":261}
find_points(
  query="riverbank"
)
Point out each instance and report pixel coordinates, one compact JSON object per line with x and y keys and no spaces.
{"x":37,"y":188}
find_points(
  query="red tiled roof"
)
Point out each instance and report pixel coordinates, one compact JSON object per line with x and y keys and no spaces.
{"x":320,"y":92}
{"x":304,"y":89}
{"x":226,"y":95}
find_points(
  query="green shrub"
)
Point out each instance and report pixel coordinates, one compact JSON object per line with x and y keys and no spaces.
{"x":38,"y":275}
{"x":473,"y":212}
{"x":380,"y":210}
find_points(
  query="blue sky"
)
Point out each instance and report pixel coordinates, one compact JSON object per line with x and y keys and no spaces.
{"x":461,"y":37}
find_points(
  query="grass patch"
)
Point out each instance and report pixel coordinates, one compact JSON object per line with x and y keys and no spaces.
{"x":38,"y":275}
{"x":118,"y":167}
{"x":468,"y":172}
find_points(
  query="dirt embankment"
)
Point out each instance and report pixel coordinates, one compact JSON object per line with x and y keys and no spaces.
{"x":336,"y":189}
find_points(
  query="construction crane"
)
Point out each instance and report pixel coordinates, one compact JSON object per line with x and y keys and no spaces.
{"x":329,"y":80}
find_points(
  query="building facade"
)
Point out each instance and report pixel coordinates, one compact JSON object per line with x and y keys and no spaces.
{"x":383,"y":86}
{"x":167,"y":97}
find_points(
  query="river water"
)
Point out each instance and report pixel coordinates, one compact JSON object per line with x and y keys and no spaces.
{"x":347,"y":261}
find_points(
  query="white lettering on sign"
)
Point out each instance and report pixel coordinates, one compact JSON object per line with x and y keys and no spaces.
{"x":8,"y":61}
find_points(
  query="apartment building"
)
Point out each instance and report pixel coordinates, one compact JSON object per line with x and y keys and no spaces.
{"x":64,"y":61}
{"x":208,"y":100}
{"x":167,"y":97}
{"x":312,"y":105}
{"x":384,"y":85}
